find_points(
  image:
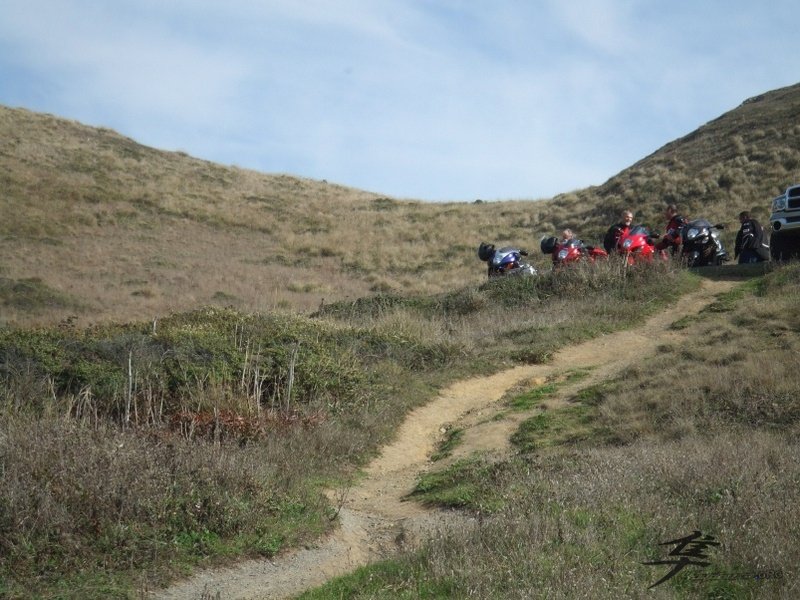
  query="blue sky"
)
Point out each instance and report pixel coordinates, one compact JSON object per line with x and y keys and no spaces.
{"x":429,"y":100}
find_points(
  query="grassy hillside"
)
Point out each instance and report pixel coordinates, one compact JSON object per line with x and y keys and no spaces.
{"x":102,"y":228}
{"x":114,"y":230}
{"x":739,"y":161}
{"x":130,"y":453}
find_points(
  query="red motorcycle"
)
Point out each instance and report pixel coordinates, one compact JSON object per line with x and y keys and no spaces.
{"x":570,"y":251}
{"x":636,"y":245}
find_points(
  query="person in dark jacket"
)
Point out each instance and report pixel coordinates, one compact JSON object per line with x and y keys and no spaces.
{"x":616,"y":231}
{"x":750,"y":246}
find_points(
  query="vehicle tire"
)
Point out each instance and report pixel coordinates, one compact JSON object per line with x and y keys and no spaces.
{"x":776,"y":248}
{"x":785,"y":247}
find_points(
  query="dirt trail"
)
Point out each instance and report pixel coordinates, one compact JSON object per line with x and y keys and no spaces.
{"x":374,"y":518}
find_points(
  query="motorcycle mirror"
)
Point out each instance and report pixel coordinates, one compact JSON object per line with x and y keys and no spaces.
{"x":523,"y":252}
{"x":719,"y":226}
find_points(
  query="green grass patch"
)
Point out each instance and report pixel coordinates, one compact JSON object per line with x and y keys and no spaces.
{"x":727,"y":302}
{"x":594,"y":395}
{"x":781,"y":276}
{"x":556,"y":427}
{"x":468,"y":484}
{"x":451,"y":440}
{"x":386,"y":579}
{"x":683,"y":323}
{"x":574,"y":375}
{"x":534,"y":397}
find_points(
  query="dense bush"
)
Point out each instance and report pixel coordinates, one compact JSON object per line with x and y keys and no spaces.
{"x":171,"y":364}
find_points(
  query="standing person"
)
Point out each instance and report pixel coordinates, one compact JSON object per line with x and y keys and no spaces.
{"x":672,"y":232}
{"x":566,"y":236}
{"x":750,"y":240}
{"x":616,"y":231}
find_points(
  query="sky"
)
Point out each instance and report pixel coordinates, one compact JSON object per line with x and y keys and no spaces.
{"x":433,"y":100}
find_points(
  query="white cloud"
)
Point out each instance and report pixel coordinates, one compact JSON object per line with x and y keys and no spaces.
{"x":604,"y":26}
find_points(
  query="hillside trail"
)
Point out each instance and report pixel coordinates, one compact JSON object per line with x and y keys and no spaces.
{"x":375,"y":517}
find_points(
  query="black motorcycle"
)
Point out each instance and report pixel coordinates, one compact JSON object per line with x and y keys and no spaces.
{"x":700,"y":244}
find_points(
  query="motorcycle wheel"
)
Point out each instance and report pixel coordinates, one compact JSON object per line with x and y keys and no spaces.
{"x":693,"y":259}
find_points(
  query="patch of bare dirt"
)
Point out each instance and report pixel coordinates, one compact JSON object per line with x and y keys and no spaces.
{"x":375,"y":519}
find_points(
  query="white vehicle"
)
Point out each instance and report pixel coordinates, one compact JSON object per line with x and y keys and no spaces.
{"x":785,"y":222}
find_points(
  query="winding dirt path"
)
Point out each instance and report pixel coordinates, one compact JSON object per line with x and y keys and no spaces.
{"x":375,"y":520}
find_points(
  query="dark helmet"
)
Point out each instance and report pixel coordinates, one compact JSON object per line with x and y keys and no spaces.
{"x":485,"y":251}
{"x":548,"y":244}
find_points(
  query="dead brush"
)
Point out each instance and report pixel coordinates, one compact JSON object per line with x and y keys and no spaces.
{"x":80,"y":496}
{"x":613,"y":273}
{"x":227,"y":425}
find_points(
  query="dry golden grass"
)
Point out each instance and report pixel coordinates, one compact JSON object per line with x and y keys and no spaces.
{"x":739,"y":368}
{"x":131,"y":232}
{"x":134,"y":232}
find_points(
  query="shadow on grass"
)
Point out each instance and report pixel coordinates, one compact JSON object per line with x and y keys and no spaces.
{"x":734,"y":272}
